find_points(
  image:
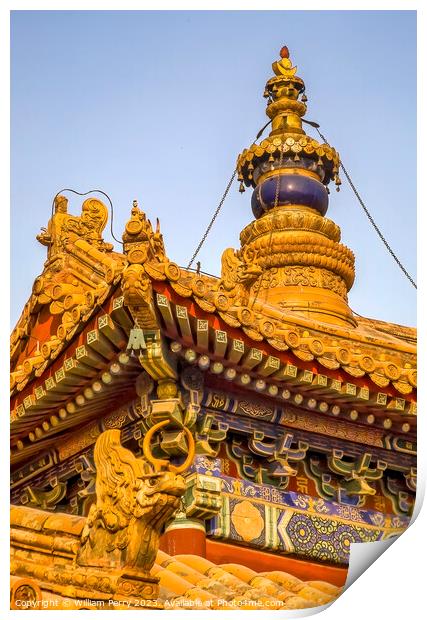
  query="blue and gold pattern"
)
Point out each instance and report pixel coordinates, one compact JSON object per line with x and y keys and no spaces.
{"x":321,"y":538}
{"x":269,"y":518}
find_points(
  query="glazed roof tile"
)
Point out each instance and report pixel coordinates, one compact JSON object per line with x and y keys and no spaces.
{"x":185,"y":578}
{"x":191,"y":581}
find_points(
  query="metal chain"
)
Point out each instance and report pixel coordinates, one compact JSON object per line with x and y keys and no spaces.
{"x":369,"y":216}
{"x":91,"y":191}
{"x":356,"y":193}
{"x":218,"y":209}
{"x":215,"y":215}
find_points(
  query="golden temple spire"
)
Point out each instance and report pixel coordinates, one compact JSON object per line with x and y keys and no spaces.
{"x":286,"y":107}
{"x":282,"y":93}
{"x":305,"y":270}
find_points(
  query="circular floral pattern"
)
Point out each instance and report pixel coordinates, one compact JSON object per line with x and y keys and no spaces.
{"x":316,"y":347}
{"x":138,"y":255}
{"x":199,"y":287}
{"x":343,"y":356}
{"x":266,"y":328}
{"x":344,"y":537}
{"x":247,"y":521}
{"x":222,"y":302}
{"x":302,"y":533}
{"x":367,"y":363}
{"x":412,"y":378}
{"x":392,"y":372}
{"x":172,"y":271}
{"x":292,"y":339}
{"x":245,"y":316}
{"x":325,"y":539}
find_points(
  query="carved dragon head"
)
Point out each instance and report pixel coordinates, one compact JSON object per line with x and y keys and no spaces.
{"x":237,"y":270}
{"x":135,"y":497}
{"x":130,"y":484}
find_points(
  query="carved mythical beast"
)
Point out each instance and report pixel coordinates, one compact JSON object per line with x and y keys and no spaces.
{"x":64,"y":228}
{"x":135,"y":497}
{"x":237,"y":273}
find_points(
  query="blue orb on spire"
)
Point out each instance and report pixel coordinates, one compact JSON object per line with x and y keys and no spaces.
{"x":293,"y":189}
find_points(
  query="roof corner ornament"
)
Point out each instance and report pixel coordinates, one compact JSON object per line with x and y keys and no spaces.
{"x":141,"y":242}
{"x":64,"y":228}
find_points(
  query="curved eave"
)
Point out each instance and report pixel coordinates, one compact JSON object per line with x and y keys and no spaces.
{"x":385,"y":363}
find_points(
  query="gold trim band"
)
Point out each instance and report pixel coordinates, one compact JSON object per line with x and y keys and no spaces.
{"x":301,"y":171}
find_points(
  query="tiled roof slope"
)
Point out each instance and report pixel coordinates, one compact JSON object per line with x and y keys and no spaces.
{"x":190,"y":581}
{"x":186,"y":581}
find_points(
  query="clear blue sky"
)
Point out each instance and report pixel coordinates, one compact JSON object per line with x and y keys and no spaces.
{"x":157,"y":105}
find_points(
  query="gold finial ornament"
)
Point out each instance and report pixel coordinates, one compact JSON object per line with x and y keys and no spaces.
{"x":284,"y":65}
{"x":304,"y":269}
{"x":285,"y":93}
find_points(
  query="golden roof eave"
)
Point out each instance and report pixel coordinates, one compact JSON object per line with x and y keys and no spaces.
{"x":89,"y":276}
{"x":382,"y":356}
{"x":357,"y":350}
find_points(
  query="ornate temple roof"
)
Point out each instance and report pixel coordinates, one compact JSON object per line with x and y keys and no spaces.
{"x":88,"y":298}
{"x":265,"y":367}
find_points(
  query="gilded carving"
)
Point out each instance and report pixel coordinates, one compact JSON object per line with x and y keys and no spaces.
{"x":270,"y":146}
{"x":133,"y":502}
{"x":141,"y":243}
{"x":112,"y":550}
{"x":236,"y":274}
{"x":78,"y":274}
{"x":289,"y":249}
{"x":330,"y":427}
{"x":116,"y":419}
{"x":256,"y":410}
{"x":308,"y":276}
{"x":362,"y":350}
{"x":64,"y":228}
{"x":291,"y":220}
{"x":138,"y":296}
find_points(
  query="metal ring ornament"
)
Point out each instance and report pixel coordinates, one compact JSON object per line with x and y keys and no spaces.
{"x":158,"y":464}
